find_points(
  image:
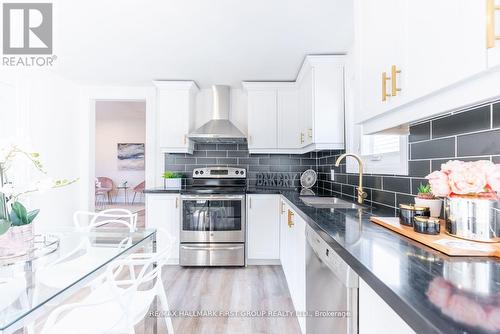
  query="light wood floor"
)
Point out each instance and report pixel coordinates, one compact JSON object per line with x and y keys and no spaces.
{"x":254,"y":288}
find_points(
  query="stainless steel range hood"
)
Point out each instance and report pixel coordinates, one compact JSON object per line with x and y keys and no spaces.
{"x":219,"y":129}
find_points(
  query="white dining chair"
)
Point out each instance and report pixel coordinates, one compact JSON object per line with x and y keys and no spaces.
{"x":11,"y":290}
{"x":87,"y":220}
{"x":121,"y":301}
{"x":68,"y":268}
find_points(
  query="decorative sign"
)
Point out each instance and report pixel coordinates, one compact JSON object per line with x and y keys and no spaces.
{"x":276,"y":180}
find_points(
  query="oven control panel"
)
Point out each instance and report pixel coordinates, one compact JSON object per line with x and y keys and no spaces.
{"x":219,"y":173}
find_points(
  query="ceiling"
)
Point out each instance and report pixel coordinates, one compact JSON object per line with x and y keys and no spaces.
{"x":131,"y":42}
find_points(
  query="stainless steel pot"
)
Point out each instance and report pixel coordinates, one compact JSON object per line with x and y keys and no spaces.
{"x":473,"y":219}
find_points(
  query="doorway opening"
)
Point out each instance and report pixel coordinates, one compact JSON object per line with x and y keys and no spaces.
{"x":120,"y":135}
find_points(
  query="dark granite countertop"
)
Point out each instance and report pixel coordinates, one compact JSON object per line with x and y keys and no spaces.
{"x":252,"y":190}
{"x":161,"y":190}
{"x":432,"y":292}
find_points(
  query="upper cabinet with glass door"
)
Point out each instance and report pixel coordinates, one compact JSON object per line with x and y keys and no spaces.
{"x":408,"y":52}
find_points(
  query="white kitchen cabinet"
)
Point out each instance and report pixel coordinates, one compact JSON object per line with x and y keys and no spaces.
{"x":492,"y":23}
{"x":300,"y":116}
{"x":262,"y":119}
{"x":306,"y":93}
{"x":163,"y":211}
{"x":326,"y":106}
{"x":376,"y":316}
{"x":289,"y":120}
{"x":379,"y":39}
{"x":263,"y":235}
{"x":443,"y":45}
{"x":175,"y":115}
{"x":293,"y":257}
{"x":435,"y":47}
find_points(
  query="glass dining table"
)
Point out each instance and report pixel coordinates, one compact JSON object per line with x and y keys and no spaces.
{"x":29,"y":290}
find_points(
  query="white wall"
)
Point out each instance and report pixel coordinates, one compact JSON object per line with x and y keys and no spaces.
{"x":118,"y":122}
{"x":44,"y":112}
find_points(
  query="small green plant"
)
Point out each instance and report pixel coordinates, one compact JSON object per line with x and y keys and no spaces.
{"x":171,"y":175}
{"x":20,"y":216}
{"x":425,"y":192}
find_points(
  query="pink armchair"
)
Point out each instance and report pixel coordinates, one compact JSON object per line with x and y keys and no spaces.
{"x":106,"y":187}
{"x":138,"y":189}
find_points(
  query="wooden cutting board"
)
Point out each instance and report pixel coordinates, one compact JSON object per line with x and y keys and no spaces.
{"x":442,"y":242}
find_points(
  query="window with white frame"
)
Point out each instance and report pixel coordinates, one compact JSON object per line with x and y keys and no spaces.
{"x":381,"y":153}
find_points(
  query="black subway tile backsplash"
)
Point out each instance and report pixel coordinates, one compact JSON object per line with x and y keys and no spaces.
{"x":420,"y":132}
{"x":432,"y":143}
{"x":384,"y":197}
{"x":373,"y":182}
{"x":496,"y":115}
{"x":429,"y":149}
{"x":419,"y":167}
{"x":404,"y":199}
{"x":482,"y":143}
{"x":433,"y":149}
{"x":214,"y":154}
{"x":473,"y":120}
{"x":397,"y":184}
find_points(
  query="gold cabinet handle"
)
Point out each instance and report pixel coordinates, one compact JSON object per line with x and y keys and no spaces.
{"x":290,"y":219}
{"x":394,"y":80}
{"x":302,"y":138}
{"x":385,"y":78}
{"x":490,"y":24}
{"x":310,"y":133}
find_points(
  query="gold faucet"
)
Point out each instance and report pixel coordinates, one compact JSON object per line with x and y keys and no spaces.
{"x":361,"y":194}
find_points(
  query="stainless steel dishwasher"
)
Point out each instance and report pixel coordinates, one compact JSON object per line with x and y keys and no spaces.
{"x":331,"y":289}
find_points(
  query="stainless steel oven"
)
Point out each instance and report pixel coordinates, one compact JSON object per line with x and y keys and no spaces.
{"x":213,"y":223}
{"x":213,"y":218}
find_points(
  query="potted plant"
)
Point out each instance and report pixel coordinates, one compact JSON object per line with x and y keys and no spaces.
{"x":16,"y":224}
{"x":471,"y":202}
{"x":427,"y":199}
{"x":172,"y":180}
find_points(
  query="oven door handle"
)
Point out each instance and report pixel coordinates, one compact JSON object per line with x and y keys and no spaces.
{"x":211,"y":248}
{"x":212,"y":197}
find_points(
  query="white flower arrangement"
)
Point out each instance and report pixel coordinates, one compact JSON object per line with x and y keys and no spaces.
{"x":12,"y":187}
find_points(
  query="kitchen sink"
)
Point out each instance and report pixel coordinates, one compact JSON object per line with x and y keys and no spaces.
{"x":329,"y":203}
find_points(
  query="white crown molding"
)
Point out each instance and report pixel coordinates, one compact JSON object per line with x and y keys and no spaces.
{"x":309,"y":62}
{"x":177,"y":84}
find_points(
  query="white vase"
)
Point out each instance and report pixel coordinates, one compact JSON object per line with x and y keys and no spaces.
{"x":434,"y":205}
{"x":173,"y":184}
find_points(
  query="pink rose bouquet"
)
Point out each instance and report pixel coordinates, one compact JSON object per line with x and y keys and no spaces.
{"x":477,"y":178}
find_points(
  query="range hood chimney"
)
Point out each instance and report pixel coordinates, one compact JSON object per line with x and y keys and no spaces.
{"x":219,"y":129}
